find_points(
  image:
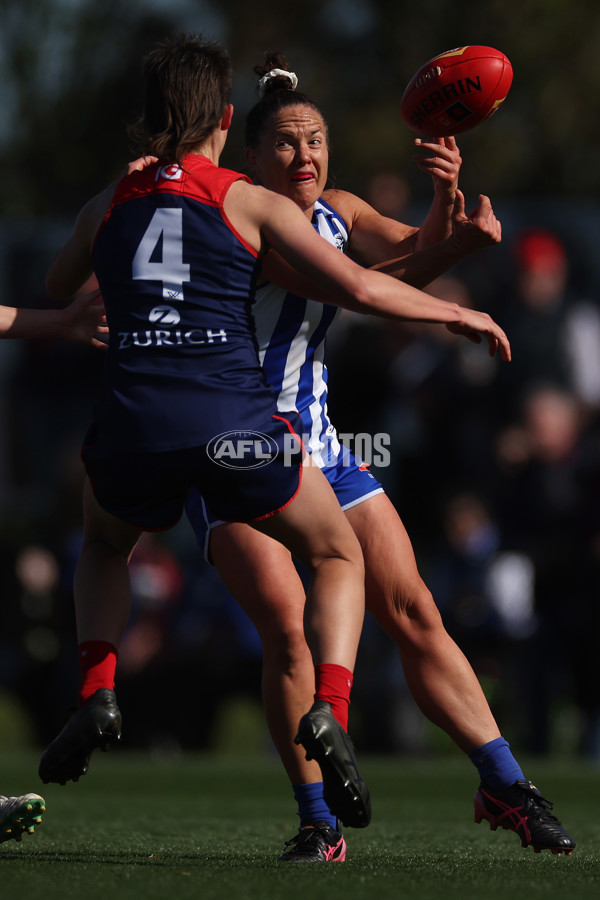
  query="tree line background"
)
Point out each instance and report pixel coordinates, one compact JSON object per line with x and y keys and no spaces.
{"x":70,"y":81}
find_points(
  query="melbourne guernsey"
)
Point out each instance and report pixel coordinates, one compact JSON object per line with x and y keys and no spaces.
{"x":178,"y":283}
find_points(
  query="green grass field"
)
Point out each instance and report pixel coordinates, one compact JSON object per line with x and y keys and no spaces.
{"x":213,"y":826}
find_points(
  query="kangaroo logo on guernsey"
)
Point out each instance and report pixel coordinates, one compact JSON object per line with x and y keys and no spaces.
{"x":242,"y":449}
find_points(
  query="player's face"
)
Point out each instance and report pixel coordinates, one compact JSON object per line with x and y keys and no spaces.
{"x":292,"y":155}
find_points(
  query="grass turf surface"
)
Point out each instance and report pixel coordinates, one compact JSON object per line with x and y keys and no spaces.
{"x":213,"y":827}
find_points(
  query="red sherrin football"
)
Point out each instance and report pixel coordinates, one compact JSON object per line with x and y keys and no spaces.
{"x":456,"y":90}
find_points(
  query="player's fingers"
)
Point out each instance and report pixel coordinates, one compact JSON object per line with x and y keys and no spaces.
{"x":483,"y":210}
{"x":448,"y":142}
{"x":436,"y":169}
{"x":498,"y":341}
{"x":459,"y":204}
{"x":505,"y":351}
{"x":430,"y":142}
{"x":425,"y":149}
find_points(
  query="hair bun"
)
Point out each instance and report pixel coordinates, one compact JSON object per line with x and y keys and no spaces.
{"x":290,"y":77}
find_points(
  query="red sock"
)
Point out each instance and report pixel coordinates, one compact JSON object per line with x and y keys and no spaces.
{"x":98,"y":661}
{"x":333,"y":684}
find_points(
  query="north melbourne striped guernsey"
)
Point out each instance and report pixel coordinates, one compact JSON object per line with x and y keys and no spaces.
{"x":291,"y":332}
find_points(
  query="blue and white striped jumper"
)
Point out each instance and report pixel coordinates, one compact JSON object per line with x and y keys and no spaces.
{"x":291,"y":332}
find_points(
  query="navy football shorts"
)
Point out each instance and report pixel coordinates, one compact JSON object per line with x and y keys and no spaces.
{"x":351,"y":480}
{"x":242,"y":475}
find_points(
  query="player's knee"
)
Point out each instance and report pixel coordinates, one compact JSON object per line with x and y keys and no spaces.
{"x":413,"y":608}
{"x":346,"y":552}
{"x":286,"y":646}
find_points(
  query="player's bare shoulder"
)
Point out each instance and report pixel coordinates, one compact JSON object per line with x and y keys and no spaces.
{"x":254,"y":202}
{"x":247,"y":207}
{"x":348,"y":205}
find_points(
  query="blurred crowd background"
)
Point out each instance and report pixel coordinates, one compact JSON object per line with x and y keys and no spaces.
{"x":495,"y":468}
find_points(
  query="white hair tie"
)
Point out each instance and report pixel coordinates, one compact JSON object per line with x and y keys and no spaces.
{"x":275,"y":73}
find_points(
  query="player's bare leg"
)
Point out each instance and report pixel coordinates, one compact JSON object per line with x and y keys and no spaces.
{"x":437,"y":672}
{"x":260,"y":574}
{"x":443,"y":682}
{"x":102,"y":604}
{"x":315,"y":530}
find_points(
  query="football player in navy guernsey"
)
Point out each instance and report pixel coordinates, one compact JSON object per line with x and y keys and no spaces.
{"x":83,"y":322}
{"x":287,"y":149}
{"x":176,"y":249}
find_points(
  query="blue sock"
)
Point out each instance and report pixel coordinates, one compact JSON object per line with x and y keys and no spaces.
{"x":311,"y":804}
{"x":496,"y":764}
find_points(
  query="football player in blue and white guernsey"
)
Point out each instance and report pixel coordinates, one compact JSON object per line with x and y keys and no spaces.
{"x":287,"y":150}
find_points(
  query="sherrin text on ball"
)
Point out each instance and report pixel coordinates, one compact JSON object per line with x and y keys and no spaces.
{"x":456,"y":90}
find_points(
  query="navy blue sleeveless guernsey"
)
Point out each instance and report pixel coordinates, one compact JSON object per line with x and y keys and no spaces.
{"x":178,"y":283}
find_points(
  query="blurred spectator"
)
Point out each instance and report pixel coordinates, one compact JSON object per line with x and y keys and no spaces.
{"x":546,"y":497}
{"x":156,"y":588}
{"x":38,"y":634}
{"x":484,"y":592}
{"x":555,"y":335}
{"x":456,"y":398}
